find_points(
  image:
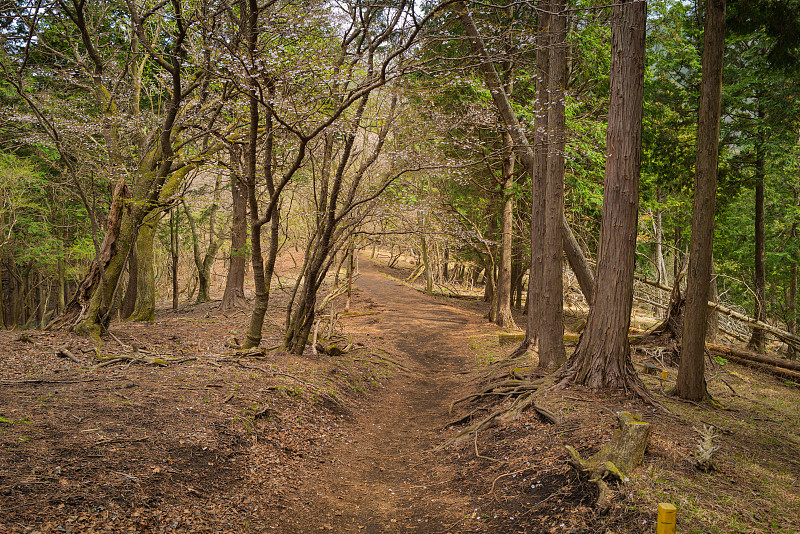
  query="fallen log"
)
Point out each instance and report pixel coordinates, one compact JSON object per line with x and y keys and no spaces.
{"x":754,"y":356}
{"x":783,"y":335}
{"x":762,"y":363}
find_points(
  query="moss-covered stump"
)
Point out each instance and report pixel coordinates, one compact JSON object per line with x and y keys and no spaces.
{"x":618,"y":458}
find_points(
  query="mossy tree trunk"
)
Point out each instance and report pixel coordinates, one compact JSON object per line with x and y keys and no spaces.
{"x":145,"y":307}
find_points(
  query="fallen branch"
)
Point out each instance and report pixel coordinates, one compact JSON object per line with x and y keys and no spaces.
{"x":783,"y":335}
{"x":138,"y":357}
{"x":49,"y":381}
{"x":336,"y":292}
{"x":64,"y":352}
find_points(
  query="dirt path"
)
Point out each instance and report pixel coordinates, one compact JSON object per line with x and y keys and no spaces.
{"x":379,"y":474}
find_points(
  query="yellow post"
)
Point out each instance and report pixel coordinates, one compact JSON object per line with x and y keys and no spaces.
{"x":667,"y":514}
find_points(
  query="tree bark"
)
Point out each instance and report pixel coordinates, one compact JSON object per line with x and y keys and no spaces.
{"x":173,"y":250}
{"x":426,"y":261}
{"x":791,"y":308}
{"x":538,"y":175}
{"x":234,"y":283}
{"x":602,"y":357}
{"x":551,"y":306}
{"x":253,"y":338}
{"x":145,"y":307}
{"x":658,"y":234}
{"x":503,"y":316}
{"x":758,"y":340}
{"x":129,"y":301}
{"x":691,"y":382}
{"x":203,"y":263}
{"x":2,"y":296}
{"x":712,"y":329}
{"x":85,"y":309}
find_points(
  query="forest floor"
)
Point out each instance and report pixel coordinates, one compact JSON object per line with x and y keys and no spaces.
{"x":214,"y":442}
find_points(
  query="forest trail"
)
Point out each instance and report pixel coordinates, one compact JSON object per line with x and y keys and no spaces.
{"x":375,"y":480}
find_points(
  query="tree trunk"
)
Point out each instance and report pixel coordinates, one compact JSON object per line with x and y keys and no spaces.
{"x":538,"y":175}
{"x":758,"y":340}
{"x":253,"y":338}
{"x":602,"y":357}
{"x":2,"y":295}
{"x":129,"y":301}
{"x":351,"y":256}
{"x":87,"y":309}
{"x":691,"y":382}
{"x":145,"y":307}
{"x":503,"y":317}
{"x":426,"y":262}
{"x":551,"y":306}
{"x":202,"y":263}
{"x":262,"y":272}
{"x":658,"y":234}
{"x":41,"y":299}
{"x":712,"y":329}
{"x":791,"y":323}
{"x":173,"y":252}
{"x":61,"y":296}
{"x":234,"y":283}
{"x":791,"y":308}
{"x":677,"y":264}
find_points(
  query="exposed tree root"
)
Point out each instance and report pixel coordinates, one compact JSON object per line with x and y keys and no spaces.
{"x":525,"y":393}
{"x":630,"y":383}
{"x":515,"y":364}
{"x":464,"y":419}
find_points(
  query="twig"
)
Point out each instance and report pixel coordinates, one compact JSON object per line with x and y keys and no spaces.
{"x":123,"y":345}
{"x":505,"y":475}
{"x":729,"y":387}
{"x":109,"y":362}
{"x":47,"y":381}
{"x":479,"y":455}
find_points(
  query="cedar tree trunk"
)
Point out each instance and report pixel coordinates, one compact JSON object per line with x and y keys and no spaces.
{"x":691,"y":383}
{"x":551,"y":306}
{"x":602,"y":358}
{"x":758,"y":340}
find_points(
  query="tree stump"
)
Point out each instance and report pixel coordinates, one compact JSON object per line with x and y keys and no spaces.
{"x":618,"y":458}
